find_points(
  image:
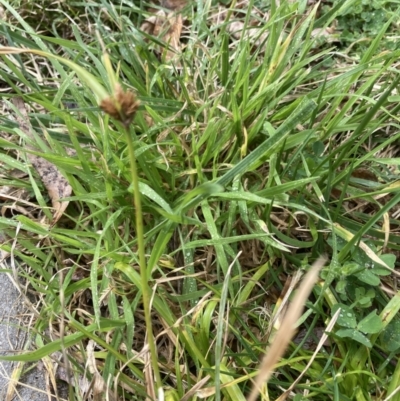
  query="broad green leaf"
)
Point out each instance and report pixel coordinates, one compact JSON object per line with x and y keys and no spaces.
{"x":371,"y":324}
{"x":346,"y":317}
{"x":391,"y":336}
{"x":354,"y":335}
{"x":366,"y":276}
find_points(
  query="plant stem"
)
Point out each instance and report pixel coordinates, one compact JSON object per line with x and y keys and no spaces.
{"x":142,"y":261}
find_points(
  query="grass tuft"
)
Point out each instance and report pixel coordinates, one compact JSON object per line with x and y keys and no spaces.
{"x":208,"y":171}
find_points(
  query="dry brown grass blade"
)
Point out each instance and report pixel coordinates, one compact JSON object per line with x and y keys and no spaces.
{"x":14,"y":380}
{"x":386,"y":229}
{"x":149,"y":377}
{"x":287,"y":328}
{"x":283,"y":303}
{"x":99,"y":387}
{"x":50,"y":367}
{"x":56,"y":184}
{"x":196,"y":388}
{"x":319,"y":346}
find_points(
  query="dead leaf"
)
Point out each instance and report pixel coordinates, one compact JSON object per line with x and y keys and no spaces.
{"x":327,"y":34}
{"x":98,"y":385}
{"x":56,"y":184}
{"x":173,"y":35}
{"x":236,"y":27}
{"x":77,"y":380}
{"x":196,"y":389}
{"x":167,"y":27}
{"x":175,"y":5}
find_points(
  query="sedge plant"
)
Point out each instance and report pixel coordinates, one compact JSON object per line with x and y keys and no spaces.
{"x":258,"y":148}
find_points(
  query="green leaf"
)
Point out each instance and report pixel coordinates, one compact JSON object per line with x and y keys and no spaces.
{"x":354,"y":335}
{"x":381,"y":271}
{"x":233,"y":391}
{"x":153,"y":195}
{"x":33,"y":226}
{"x":350,"y":268}
{"x":346,"y":317}
{"x":371,"y":324}
{"x":366,"y":276}
{"x":298,"y":116}
{"x":318,"y":148}
{"x":389,"y":259}
{"x":391,"y":336}
{"x":199,"y":193}
{"x":47,"y":349}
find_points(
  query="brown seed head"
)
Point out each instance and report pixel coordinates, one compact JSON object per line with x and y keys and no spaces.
{"x":122,"y":106}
